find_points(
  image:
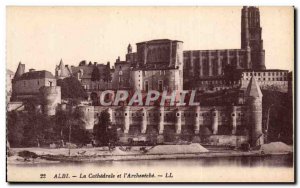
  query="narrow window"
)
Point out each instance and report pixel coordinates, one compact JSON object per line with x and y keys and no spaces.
{"x":146,"y":86}
{"x":160,"y":85}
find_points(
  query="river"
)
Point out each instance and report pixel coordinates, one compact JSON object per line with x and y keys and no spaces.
{"x":267,"y":168}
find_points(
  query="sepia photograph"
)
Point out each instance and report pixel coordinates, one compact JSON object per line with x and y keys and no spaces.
{"x":152,"y":94}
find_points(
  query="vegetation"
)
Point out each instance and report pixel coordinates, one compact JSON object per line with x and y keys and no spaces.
{"x":95,"y":74}
{"x":33,"y":129}
{"x":69,"y":125}
{"x":15,"y":128}
{"x":27,"y":155}
{"x":82,"y":63}
{"x":105,"y":132}
{"x":278,"y":106}
{"x":107,"y":75}
{"x":71,"y":88}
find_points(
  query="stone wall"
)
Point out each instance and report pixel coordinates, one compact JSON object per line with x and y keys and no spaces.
{"x":159,"y":80}
{"x":228,"y":140}
{"x":51,"y":97}
{"x":208,"y":63}
{"x":162,"y":52}
{"x":267,"y":79}
{"x":121,"y":76}
{"x":32,"y":86}
{"x":88,"y":116}
{"x":181,"y":120}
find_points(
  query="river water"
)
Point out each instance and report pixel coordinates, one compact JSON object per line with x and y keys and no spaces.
{"x":267,"y":168}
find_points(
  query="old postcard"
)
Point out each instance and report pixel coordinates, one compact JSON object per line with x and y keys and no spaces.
{"x":150,"y":94}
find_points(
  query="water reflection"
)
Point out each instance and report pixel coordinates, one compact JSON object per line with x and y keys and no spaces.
{"x":266,"y":161}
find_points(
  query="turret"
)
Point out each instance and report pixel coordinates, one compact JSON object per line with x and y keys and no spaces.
{"x":126,"y":119}
{"x":144,"y":121}
{"x":197,"y":120}
{"x":87,"y":118}
{"x":51,"y":97}
{"x":254,"y":102}
{"x":20,"y":70}
{"x":61,"y":70}
{"x":129,"y":49}
{"x":233,"y":120}
{"x":161,"y":120}
{"x":214,"y":121}
{"x":178,"y":121}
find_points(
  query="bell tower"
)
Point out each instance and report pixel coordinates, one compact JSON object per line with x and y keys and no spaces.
{"x":251,"y":37}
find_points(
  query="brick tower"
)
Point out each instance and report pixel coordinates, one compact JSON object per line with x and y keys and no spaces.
{"x":251,"y":37}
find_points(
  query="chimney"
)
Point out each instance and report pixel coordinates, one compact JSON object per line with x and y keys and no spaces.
{"x":95,"y":63}
{"x":31,"y":70}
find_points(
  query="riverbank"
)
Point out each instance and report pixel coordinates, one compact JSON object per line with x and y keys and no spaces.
{"x":45,"y":155}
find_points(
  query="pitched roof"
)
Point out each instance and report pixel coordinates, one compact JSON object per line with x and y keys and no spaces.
{"x":36,"y":75}
{"x":20,"y":70}
{"x":64,"y":71}
{"x":253,"y":89}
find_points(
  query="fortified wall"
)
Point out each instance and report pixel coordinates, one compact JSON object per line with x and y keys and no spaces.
{"x":220,"y":125}
{"x":183,"y":123}
{"x":224,"y":125}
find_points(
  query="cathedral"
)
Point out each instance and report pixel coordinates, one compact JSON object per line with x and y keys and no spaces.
{"x":163,"y":65}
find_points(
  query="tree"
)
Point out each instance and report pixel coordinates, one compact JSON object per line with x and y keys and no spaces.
{"x":27,"y":155}
{"x":71,"y":88}
{"x":105,"y":132}
{"x":107,"y":75}
{"x":70,"y":124}
{"x":82,"y":63}
{"x":95,"y":74}
{"x":15,"y":128}
{"x":79,"y":134}
{"x":112,"y":135}
{"x":29,"y":129}
{"x":35,"y":129}
{"x":278,"y":108}
{"x":61,"y":122}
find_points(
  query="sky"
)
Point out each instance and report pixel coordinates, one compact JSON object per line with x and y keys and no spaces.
{"x":40,"y":36}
